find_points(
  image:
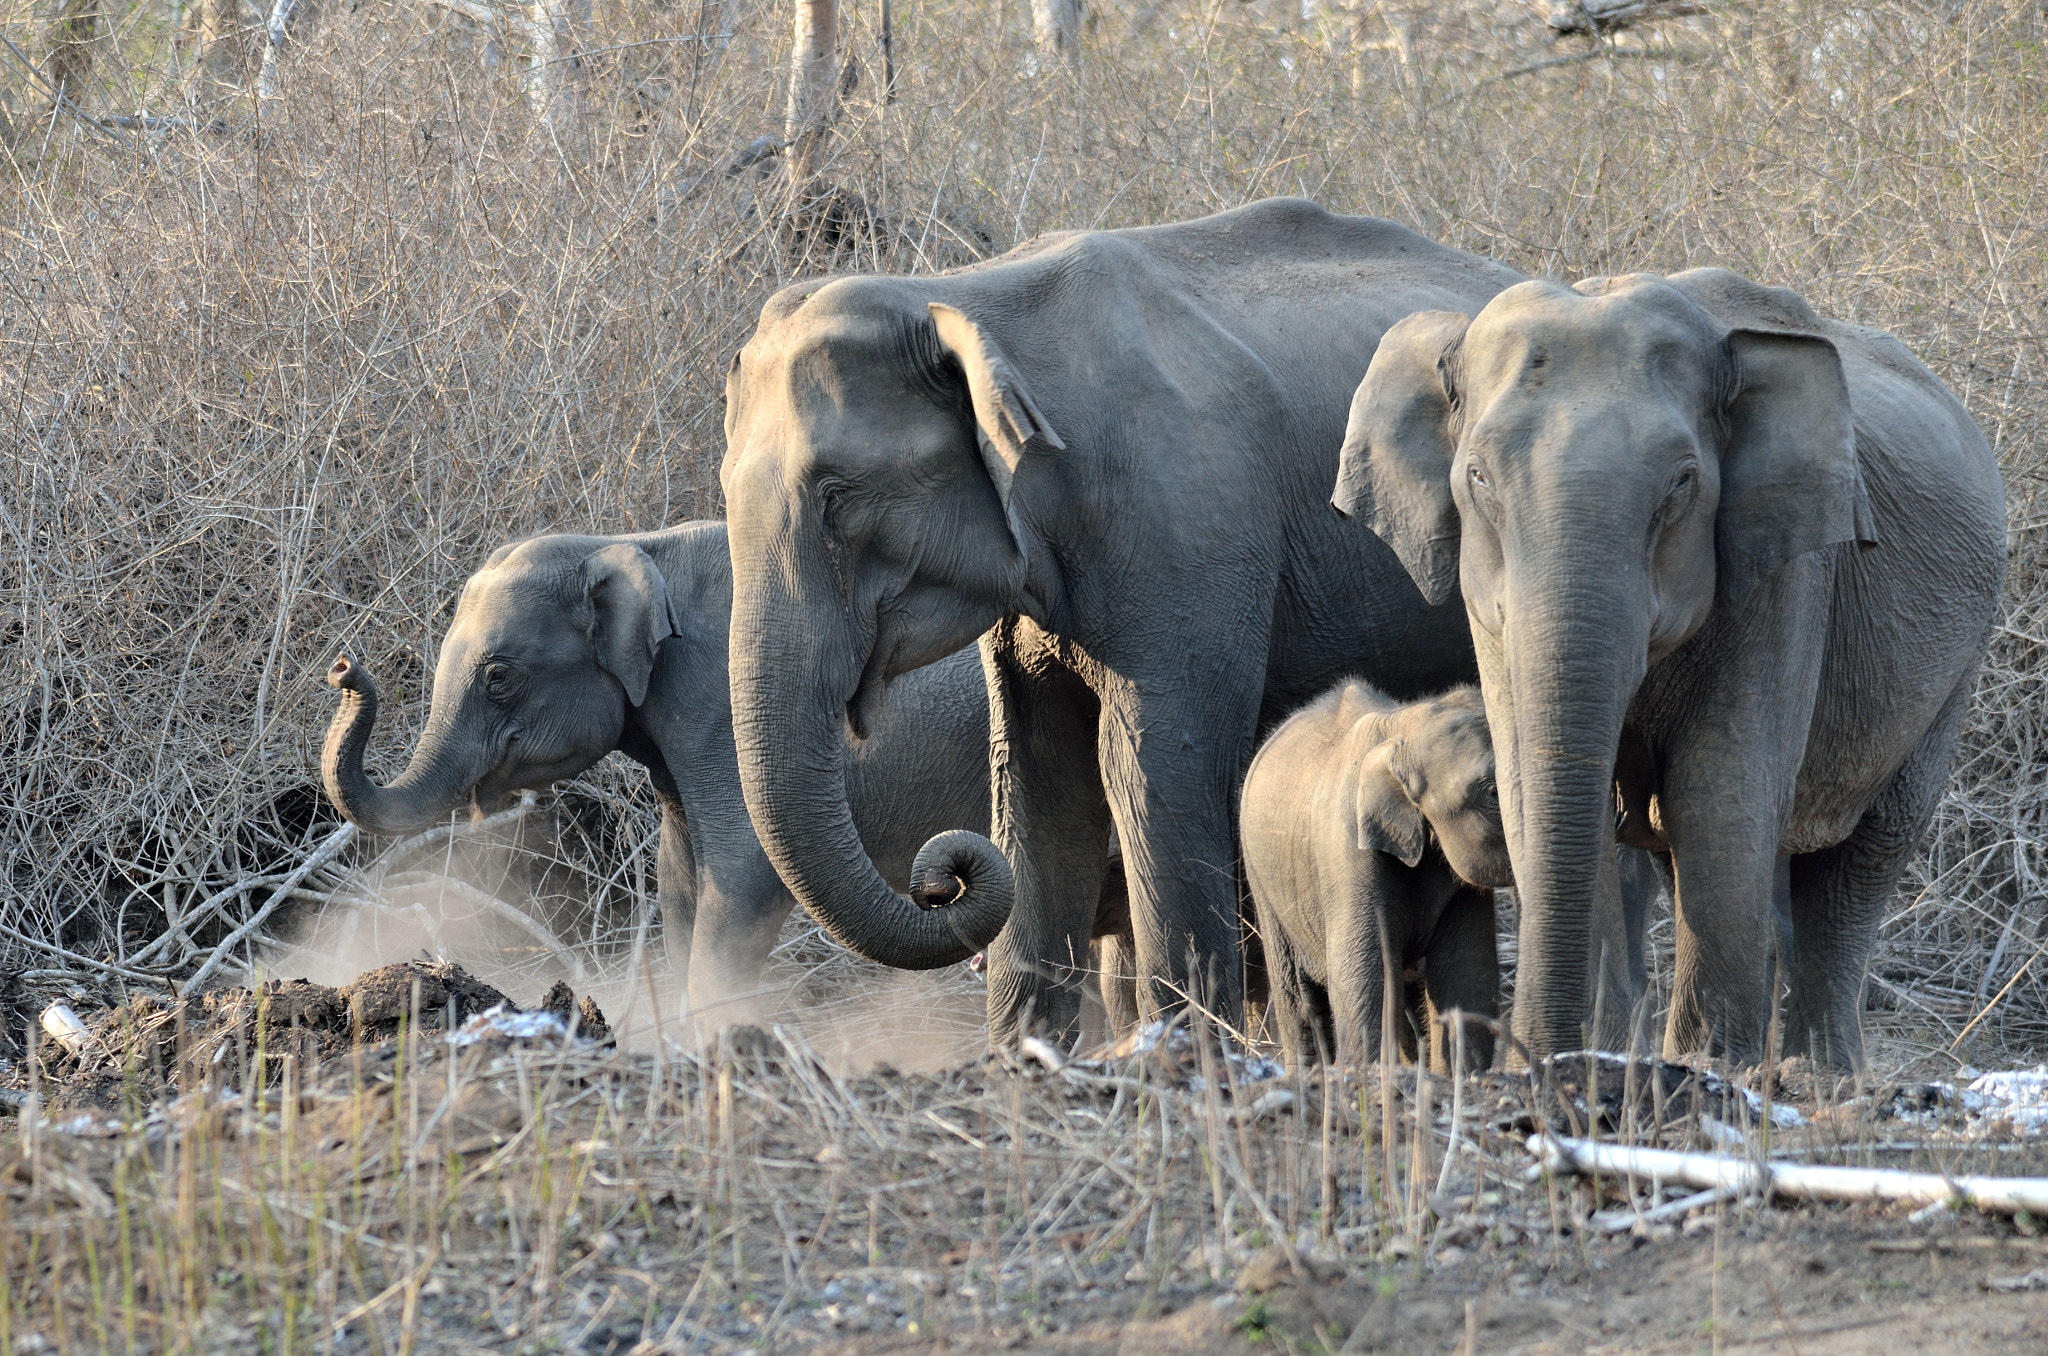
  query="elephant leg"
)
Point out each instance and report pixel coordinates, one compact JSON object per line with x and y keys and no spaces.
{"x":1723,"y":817}
{"x":1116,"y":967}
{"x":1289,"y":1019}
{"x":1730,"y":773}
{"x":675,"y":877}
{"x":1363,"y":961}
{"x":1839,"y":895}
{"x":1461,"y":972}
{"x":741,"y":906}
{"x":1116,"y":956}
{"x":1172,"y":765}
{"x":1641,"y":882}
{"x":1051,"y":820}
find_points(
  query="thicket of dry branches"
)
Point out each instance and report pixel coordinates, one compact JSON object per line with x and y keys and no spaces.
{"x":276,"y":374}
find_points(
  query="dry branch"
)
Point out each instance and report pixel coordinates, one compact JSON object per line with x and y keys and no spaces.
{"x":1796,"y":1181}
{"x":218,"y":954}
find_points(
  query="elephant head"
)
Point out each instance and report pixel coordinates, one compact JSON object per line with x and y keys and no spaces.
{"x":1432,"y":774}
{"x":875,"y":441}
{"x":552,"y":640}
{"x":1601,"y":469}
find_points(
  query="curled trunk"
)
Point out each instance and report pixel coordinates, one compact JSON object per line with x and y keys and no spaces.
{"x":428,"y":791}
{"x":790,"y":689}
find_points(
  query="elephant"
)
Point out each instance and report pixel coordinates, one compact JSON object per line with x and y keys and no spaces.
{"x":566,"y":648}
{"x":1372,"y":841}
{"x":1107,"y":454}
{"x":1726,"y":560}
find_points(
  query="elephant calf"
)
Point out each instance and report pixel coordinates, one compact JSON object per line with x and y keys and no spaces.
{"x":1372,"y":840}
{"x":567,"y":648}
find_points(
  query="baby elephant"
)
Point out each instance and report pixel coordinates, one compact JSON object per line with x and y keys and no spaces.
{"x":1372,"y":841}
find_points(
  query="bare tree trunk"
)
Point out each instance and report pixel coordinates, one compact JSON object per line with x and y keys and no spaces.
{"x":73,"y":34}
{"x":1056,"y":24}
{"x":274,"y":30}
{"x":813,"y":90}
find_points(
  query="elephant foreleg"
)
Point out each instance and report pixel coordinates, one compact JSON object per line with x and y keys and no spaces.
{"x":1051,"y":820}
{"x":675,"y":874}
{"x":1171,"y":767}
{"x":1839,"y":896}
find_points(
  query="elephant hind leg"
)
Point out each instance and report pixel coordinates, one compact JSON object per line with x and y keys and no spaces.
{"x":1298,"y":1007}
{"x":1839,"y":896}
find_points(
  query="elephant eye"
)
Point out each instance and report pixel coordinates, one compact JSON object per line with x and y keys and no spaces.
{"x":499,"y":680}
{"x":1477,"y":474}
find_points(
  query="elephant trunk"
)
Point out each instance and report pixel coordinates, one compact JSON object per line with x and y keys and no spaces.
{"x":1557,"y":690}
{"x":432,"y":786}
{"x":789,"y":702}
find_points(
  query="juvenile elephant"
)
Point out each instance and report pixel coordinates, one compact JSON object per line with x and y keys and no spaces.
{"x":568,"y":648}
{"x":1740,"y":560}
{"x":1111,"y":452}
{"x":1372,"y":841}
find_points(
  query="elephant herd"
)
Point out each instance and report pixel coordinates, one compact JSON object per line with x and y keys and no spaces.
{"x":1502,"y":573}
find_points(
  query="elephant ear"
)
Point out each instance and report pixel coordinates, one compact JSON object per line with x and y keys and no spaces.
{"x":1389,"y":820}
{"x":1394,"y":473}
{"x":1789,"y":481}
{"x":628,"y":614}
{"x":1006,"y":417}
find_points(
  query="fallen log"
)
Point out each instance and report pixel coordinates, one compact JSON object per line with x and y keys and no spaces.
{"x":1799,"y":1181}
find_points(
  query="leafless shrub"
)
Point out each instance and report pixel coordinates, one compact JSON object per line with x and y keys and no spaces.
{"x":274,"y":376}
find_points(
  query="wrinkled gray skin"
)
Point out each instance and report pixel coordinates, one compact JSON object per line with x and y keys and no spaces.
{"x":1734,"y":556}
{"x":567,"y":648}
{"x":1111,"y":451}
{"x":1372,"y":841}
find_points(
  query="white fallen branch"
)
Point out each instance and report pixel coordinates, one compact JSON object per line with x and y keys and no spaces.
{"x":1799,"y":1181}
{"x":1620,"y":1221}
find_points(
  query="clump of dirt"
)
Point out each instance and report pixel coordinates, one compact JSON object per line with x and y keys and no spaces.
{"x":153,"y":1047}
{"x":584,"y":1016}
{"x":438,"y":994}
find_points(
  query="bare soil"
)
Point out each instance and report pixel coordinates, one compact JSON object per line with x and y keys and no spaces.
{"x":300,"y":1171}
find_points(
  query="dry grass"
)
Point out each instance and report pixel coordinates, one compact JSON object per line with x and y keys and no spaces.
{"x":273,"y":379}
{"x":415,"y":1195}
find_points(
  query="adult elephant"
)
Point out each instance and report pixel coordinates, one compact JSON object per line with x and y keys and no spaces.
{"x":1110,"y":451}
{"x":1734,"y":556}
{"x":565,"y":649}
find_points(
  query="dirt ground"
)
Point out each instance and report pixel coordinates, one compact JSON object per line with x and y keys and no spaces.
{"x":409,"y":1164}
{"x":1801,"y":1281}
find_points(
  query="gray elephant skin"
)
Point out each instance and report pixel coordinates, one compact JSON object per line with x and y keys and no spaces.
{"x":1737,"y":558}
{"x":564,"y":649}
{"x":1111,"y":452}
{"x":1372,"y":841}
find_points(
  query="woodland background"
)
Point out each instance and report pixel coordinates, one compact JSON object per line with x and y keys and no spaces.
{"x":299,"y":317}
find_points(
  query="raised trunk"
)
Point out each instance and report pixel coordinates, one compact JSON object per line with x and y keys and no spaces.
{"x":433,"y":785}
{"x":788,"y":711}
{"x":1557,"y":690}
